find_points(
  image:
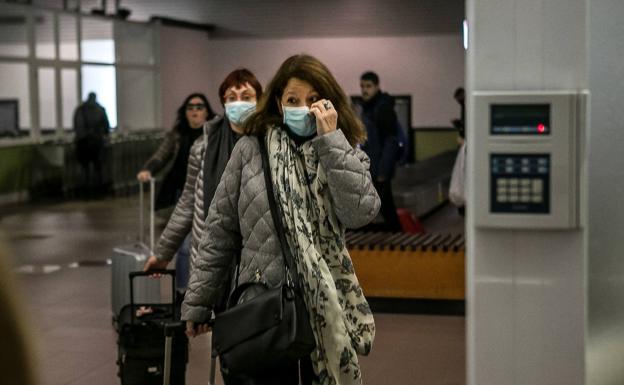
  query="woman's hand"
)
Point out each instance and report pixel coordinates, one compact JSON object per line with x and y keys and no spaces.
{"x":144,"y":176}
{"x":326,"y":116}
{"x":154,"y":263}
{"x":193,"y":330}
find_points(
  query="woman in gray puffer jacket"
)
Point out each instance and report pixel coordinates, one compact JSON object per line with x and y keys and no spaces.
{"x":322,"y":186}
{"x":208,"y":157}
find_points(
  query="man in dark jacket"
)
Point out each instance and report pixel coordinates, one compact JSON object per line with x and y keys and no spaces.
{"x":91,"y":129}
{"x":382,"y":145}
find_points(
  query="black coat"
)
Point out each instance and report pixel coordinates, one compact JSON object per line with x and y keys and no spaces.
{"x":173,"y":152}
{"x":382,"y":146}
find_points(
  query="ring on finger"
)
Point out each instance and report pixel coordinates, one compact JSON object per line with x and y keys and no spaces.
{"x":327,"y":105}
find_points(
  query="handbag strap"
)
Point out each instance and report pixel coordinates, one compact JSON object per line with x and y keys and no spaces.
{"x":275,"y":214}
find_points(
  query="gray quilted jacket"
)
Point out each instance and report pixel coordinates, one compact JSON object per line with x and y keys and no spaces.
{"x":188,"y":214}
{"x":239,"y":219}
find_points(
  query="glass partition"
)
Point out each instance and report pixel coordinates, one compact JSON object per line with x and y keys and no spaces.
{"x":97,"y":43}
{"x":47,"y":98}
{"x":68,"y":37}
{"x":69,"y":92}
{"x":45,"y":46}
{"x":13,"y":31}
{"x":101,"y":80}
{"x":14,"y":81}
{"x":79,"y":54}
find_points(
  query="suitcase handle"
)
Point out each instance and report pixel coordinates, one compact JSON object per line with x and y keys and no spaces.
{"x":170,"y":329}
{"x":132,"y":275}
{"x":152,"y":188}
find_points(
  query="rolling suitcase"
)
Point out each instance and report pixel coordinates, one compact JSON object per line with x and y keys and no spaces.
{"x":142,"y":346}
{"x":132,"y":257}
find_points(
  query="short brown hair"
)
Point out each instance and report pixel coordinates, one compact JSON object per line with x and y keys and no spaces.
{"x":371,"y":77}
{"x":238,"y":78}
{"x":312,"y":71}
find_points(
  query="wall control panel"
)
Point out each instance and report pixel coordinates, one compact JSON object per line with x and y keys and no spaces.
{"x":520,"y":183}
{"x":527,"y":159}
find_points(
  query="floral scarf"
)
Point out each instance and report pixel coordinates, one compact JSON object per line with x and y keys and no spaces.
{"x":341,"y":319}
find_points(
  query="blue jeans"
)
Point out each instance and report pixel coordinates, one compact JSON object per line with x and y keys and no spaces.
{"x":182,"y":264}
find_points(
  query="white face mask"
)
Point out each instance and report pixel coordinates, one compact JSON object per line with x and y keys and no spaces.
{"x":300,"y":120}
{"x":238,"y":111}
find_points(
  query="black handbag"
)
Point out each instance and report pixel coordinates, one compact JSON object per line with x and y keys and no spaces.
{"x":264,"y":327}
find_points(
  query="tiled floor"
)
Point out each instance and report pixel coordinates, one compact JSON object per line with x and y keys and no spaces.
{"x":58,"y":252}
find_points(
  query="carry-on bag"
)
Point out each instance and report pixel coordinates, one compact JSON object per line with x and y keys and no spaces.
{"x":264,"y":327}
{"x":132,"y":257}
{"x":141,"y":340}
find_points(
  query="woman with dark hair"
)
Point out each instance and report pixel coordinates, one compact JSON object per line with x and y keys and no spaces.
{"x":174,"y":153}
{"x":321,"y":186}
{"x":174,"y":149}
{"x":208,"y":157}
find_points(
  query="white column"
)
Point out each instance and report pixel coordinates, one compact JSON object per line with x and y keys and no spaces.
{"x":526,"y":289}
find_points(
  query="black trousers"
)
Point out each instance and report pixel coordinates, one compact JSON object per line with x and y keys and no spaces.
{"x":288,"y":375}
{"x":90,"y":155}
{"x":388,"y":210}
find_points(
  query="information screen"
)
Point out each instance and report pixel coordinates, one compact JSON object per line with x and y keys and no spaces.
{"x":520,"y":119}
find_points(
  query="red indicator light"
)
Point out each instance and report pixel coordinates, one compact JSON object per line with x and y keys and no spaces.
{"x":541,"y":128}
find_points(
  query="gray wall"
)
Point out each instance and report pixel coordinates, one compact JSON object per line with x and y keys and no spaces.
{"x":184,"y":68}
{"x":427,"y":67}
{"x":605,"y":356}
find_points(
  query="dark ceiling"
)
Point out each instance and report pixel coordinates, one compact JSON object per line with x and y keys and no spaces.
{"x":297,"y":18}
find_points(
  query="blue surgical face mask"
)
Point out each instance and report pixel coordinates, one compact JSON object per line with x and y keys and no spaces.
{"x":238,"y":111}
{"x":300,"y":120}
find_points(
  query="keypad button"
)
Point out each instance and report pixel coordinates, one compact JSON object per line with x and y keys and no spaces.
{"x":538,"y":186}
{"x":525,"y":182}
{"x":513,"y":198}
{"x":502,"y":198}
{"x":501,"y":182}
{"x":537,"y":199}
{"x":513,"y":182}
{"x":525,"y":198}
{"x":502,"y":190}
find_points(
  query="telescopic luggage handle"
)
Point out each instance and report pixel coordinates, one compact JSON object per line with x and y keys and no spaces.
{"x":213,"y":368}
{"x":152,"y":184}
{"x":132,"y":275}
{"x":170,"y":329}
